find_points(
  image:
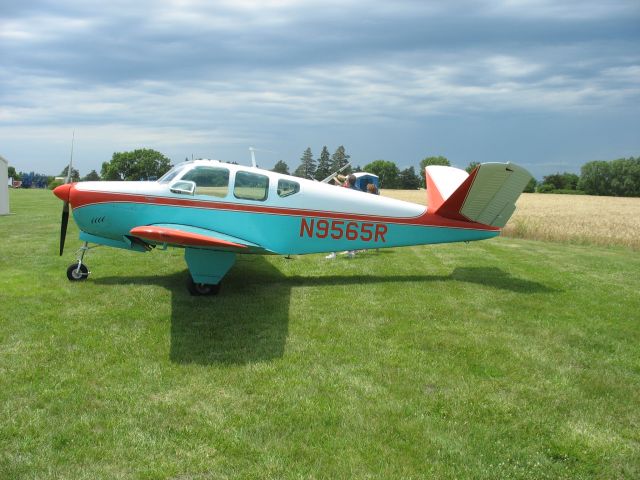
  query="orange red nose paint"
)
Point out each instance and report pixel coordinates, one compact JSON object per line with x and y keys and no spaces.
{"x":62,"y":192}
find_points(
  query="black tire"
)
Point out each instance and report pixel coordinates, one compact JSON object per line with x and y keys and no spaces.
{"x":202,"y":289}
{"x":76,"y":275}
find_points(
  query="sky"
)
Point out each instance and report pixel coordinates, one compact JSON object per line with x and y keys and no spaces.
{"x":549,"y":85}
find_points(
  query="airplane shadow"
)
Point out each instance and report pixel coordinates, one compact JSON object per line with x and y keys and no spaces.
{"x":248,"y":321}
{"x":488,"y":276}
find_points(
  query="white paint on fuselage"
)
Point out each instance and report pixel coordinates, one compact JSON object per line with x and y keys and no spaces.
{"x":315,"y":196}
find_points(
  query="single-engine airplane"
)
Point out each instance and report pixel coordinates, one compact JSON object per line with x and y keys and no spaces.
{"x":216,"y":210}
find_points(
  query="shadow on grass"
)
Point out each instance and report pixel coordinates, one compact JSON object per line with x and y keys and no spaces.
{"x":496,"y":278}
{"x":246,"y":323}
{"x":249,"y":320}
{"x":487,"y":276}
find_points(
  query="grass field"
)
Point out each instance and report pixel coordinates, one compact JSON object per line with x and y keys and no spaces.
{"x":576,"y":219}
{"x":506,"y":358}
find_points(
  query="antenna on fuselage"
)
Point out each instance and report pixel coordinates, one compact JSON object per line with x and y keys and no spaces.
{"x":253,"y":155}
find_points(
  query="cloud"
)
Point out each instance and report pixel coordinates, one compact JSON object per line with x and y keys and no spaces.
{"x":566,"y":10}
{"x":200,"y":73}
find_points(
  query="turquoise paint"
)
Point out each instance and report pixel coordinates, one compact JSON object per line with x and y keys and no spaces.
{"x":281,"y":234}
{"x":125,"y":243}
{"x":208,"y":266}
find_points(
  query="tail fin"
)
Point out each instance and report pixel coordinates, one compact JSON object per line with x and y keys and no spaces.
{"x":486,"y":196}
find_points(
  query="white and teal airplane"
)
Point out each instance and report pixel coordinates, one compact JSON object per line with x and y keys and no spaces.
{"x":216,"y":210}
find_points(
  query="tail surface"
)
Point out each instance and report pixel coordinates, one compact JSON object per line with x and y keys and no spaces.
{"x":487,"y":195}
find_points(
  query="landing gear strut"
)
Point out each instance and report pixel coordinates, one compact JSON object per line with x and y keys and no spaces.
{"x":206,"y":269}
{"x":78,"y":271}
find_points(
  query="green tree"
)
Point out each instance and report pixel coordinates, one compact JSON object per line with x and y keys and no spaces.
{"x":570,"y":181}
{"x":619,"y":177}
{"x":92,"y":176}
{"x":408,"y":180}
{"x":386,"y":171}
{"x":75,"y":174}
{"x":561,"y":181}
{"x":431,"y":161}
{"x":12,"y":173}
{"x":595,"y":178}
{"x":307,"y":168}
{"x":324,"y":165}
{"x":339,"y":159}
{"x":472,"y":166}
{"x":141,"y":164}
{"x":281,"y":167}
{"x":625,"y":177}
{"x":531,"y":186}
{"x":545,"y":188}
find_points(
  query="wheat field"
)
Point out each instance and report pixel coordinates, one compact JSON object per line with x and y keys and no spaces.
{"x":583,"y":219}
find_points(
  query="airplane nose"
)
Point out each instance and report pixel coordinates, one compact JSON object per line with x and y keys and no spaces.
{"x":63,"y":191}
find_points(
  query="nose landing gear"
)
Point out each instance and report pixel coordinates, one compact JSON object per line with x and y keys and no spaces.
{"x":78,"y":271}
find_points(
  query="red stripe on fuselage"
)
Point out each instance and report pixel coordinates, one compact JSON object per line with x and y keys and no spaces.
{"x":83,"y":198}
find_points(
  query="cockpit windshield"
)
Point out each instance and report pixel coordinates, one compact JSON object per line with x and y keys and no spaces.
{"x":173,"y":173}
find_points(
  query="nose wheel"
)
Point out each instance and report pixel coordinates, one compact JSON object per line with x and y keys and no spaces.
{"x":78,"y":271}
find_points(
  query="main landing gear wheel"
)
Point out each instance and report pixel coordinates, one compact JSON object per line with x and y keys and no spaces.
{"x":77,"y":272}
{"x":201,"y":289}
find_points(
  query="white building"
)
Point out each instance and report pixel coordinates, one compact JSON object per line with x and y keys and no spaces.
{"x":4,"y":187}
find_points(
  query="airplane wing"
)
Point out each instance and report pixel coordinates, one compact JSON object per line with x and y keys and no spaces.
{"x":188,"y":236}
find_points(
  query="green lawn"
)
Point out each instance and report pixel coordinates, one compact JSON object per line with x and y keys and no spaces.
{"x":498,"y":359}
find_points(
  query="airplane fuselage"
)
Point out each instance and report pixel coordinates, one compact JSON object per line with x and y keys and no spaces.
{"x":316,"y":217}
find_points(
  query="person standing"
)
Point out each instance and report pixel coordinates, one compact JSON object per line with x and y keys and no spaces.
{"x":350,"y":182}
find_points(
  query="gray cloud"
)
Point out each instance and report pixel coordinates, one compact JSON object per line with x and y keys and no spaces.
{"x":199,"y":75}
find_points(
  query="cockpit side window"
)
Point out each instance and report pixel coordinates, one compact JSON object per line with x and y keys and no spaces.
{"x":171,"y":174}
{"x":212,"y":181}
{"x":287,"y":187}
{"x":251,"y":186}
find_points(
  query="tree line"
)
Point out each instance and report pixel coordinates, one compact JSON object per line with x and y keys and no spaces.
{"x":390,"y":176}
{"x":614,"y":178}
{"x":318,"y":169}
{"x":619,"y":177}
{"x":141,"y":164}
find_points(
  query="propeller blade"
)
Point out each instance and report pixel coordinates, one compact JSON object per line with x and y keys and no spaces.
{"x":63,"y":225}
{"x":70,"y":167}
{"x":63,"y":194}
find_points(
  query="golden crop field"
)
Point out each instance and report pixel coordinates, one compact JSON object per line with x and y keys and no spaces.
{"x":580,"y":219}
